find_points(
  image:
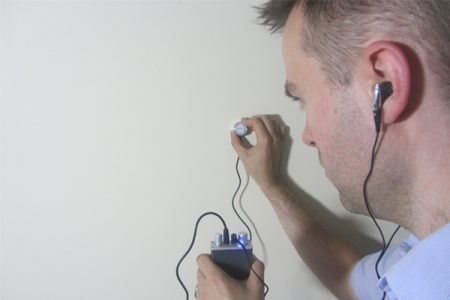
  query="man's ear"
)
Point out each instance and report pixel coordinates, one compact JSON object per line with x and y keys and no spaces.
{"x":386,"y":61}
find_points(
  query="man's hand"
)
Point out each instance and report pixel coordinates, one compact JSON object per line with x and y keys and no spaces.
{"x":262,"y":160}
{"x":215,"y":284}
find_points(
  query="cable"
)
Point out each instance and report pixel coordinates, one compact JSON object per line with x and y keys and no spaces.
{"x":369,"y":209}
{"x":233,"y":200}
{"x":226,"y":237}
{"x":177,"y":270}
{"x":266,"y":286}
{"x":384,"y":252}
{"x":367,"y":202}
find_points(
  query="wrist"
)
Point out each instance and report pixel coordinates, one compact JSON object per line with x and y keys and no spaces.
{"x":271,"y":186}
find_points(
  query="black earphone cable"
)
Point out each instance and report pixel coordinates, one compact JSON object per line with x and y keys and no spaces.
{"x":233,"y":200}
{"x":366,"y":201}
{"x":384,"y":252}
{"x":266,"y":287}
{"x":369,"y":209}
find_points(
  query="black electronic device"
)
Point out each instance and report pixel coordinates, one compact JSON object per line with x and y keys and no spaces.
{"x":233,"y":255}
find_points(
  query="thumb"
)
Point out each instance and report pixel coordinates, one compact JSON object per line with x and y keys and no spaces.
{"x":258,"y":268}
{"x":237,"y":145}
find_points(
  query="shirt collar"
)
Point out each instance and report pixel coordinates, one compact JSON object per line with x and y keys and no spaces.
{"x":424,"y":271}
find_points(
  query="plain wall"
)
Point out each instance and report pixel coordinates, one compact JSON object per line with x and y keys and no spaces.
{"x":115,"y":120}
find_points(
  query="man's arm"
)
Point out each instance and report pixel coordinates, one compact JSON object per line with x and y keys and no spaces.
{"x":328,"y":256}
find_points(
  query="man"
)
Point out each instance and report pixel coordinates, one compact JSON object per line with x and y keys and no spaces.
{"x":335,"y":53}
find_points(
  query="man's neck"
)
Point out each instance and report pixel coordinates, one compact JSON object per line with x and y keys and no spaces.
{"x":431,"y":190}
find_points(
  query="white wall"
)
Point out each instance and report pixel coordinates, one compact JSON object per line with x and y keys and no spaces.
{"x":114,"y":139}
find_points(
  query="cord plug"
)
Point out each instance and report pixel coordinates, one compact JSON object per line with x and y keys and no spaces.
{"x":226,"y":236}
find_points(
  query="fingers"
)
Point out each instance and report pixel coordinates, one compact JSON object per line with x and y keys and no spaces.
{"x":265,"y":128}
{"x":257,"y":125}
{"x":237,"y":145}
{"x":272,"y":128}
{"x":200,"y":276}
{"x":258,"y":268}
{"x":214,"y":283}
{"x":205,"y":264}
{"x":207,"y":267}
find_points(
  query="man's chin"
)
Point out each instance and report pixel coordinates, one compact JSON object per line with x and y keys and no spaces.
{"x":348,"y":205}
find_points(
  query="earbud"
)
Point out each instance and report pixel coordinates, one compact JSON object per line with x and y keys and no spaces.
{"x":381,"y":91}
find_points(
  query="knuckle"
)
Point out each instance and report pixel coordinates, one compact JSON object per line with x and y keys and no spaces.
{"x":267,"y":139}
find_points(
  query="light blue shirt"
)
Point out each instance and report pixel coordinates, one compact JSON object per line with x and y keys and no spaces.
{"x":411,"y":270}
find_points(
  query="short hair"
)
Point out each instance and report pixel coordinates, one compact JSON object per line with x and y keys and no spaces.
{"x":335,"y":30}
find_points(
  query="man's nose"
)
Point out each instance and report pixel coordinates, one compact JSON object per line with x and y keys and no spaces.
{"x":307,"y":136}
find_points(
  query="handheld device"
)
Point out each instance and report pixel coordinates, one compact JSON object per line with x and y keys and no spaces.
{"x":233,"y":255}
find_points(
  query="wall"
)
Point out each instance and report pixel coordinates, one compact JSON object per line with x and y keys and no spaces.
{"x":115,"y":121}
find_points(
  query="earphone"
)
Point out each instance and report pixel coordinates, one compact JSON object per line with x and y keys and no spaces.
{"x":381,"y":91}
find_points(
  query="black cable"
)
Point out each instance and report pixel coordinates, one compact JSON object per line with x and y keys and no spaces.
{"x":369,"y":209}
{"x":266,"y":287}
{"x":233,"y":200}
{"x":384,"y":252}
{"x":177,"y":271}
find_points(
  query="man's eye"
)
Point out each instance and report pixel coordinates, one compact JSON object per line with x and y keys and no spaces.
{"x":300,"y":101}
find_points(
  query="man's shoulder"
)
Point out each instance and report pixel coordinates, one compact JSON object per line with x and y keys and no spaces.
{"x":424,"y":272}
{"x":402,"y":260}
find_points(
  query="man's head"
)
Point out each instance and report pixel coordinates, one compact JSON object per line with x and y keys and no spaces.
{"x":335,"y":52}
{"x":336,"y":31}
